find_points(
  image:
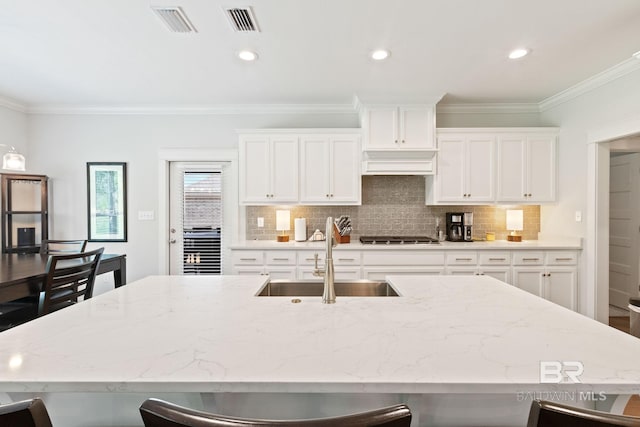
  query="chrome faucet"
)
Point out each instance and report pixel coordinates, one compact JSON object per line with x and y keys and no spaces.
{"x":329,"y":294}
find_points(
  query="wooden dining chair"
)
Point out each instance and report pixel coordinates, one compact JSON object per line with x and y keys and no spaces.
{"x":158,"y":413}
{"x":69,"y":277}
{"x":26,"y":413}
{"x":62,"y":247}
{"x":550,"y":414}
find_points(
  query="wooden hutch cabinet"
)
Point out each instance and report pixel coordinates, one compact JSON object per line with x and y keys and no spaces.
{"x":25,"y":212}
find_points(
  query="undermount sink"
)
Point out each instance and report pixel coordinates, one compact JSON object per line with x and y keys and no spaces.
{"x":314,"y":288}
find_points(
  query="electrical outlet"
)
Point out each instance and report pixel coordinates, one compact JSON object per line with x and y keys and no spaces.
{"x":145,"y":215}
{"x":260,"y":222}
{"x":578,"y":216}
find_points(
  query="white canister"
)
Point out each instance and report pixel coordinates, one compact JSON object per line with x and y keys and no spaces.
{"x":300,"y":227}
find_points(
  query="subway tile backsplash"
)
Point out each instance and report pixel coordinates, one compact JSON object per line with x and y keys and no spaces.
{"x":393,"y":205}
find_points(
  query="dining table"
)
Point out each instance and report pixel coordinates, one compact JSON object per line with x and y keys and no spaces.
{"x":22,"y":275}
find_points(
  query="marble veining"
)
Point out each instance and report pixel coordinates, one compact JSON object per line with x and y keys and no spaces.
{"x":445,"y":334}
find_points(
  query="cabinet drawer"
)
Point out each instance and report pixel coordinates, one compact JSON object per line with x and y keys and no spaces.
{"x":339,"y":258}
{"x":528,"y":258}
{"x":344,"y":273}
{"x":403,"y":257}
{"x":462,"y":258}
{"x":247,"y":258}
{"x":562,"y":258}
{"x":494,"y":258}
{"x":280,"y":257}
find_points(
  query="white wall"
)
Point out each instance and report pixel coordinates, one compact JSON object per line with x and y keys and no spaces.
{"x":60,"y":146}
{"x":13,"y":130}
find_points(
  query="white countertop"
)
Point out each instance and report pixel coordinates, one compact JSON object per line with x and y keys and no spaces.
{"x":560,"y":243}
{"x":445,"y":334}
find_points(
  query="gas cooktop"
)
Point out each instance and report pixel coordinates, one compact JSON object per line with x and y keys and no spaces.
{"x":397,"y":240}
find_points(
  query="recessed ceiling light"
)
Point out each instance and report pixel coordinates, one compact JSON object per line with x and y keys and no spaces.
{"x":379,"y":55}
{"x":247,"y":55}
{"x":518,"y":53}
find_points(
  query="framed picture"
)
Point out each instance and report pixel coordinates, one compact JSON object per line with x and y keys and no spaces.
{"x":107,"y":201}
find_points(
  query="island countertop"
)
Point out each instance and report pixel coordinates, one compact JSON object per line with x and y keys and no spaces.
{"x":444,"y":334}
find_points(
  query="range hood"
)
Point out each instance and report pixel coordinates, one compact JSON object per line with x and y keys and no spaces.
{"x":399,"y":162}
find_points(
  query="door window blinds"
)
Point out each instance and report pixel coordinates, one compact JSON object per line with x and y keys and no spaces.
{"x":202,"y":222}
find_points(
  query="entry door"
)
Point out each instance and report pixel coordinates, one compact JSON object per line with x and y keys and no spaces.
{"x":195,"y":218}
{"x":624,"y":228}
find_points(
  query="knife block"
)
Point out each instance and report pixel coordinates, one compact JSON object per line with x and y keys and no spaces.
{"x":338,"y":237}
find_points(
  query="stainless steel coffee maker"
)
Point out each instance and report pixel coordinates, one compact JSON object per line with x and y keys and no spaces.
{"x":454,"y":226}
{"x":467,"y":225}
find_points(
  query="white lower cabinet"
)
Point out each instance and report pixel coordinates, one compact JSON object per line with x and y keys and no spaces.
{"x":550,"y":274}
{"x":376,"y":265}
{"x":276,"y":264}
{"x":346,"y":264}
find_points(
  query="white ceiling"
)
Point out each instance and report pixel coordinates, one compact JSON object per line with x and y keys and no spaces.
{"x":118,"y":53}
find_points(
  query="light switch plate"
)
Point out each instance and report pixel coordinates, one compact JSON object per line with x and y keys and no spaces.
{"x":146,"y":215}
{"x":260,"y":221}
{"x":578,"y":216}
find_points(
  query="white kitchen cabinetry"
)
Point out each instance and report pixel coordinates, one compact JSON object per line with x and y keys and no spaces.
{"x":526,"y":167}
{"x":465,"y":168}
{"x":399,"y":127}
{"x":276,"y":264}
{"x":330,"y":169}
{"x":268,"y":169}
{"x":552,"y":275}
{"x":376,"y":265}
{"x":481,"y":263}
{"x":346,"y":264}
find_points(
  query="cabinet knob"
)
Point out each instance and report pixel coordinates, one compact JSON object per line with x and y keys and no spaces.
{"x":403,"y":141}
{"x":529,"y":194}
{"x":396,"y":141}
{"x":330,"y":195}
{"x":326,"y":195}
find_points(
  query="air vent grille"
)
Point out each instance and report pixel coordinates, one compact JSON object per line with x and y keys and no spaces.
{"x":242,"y":20}
{"x":175,"y":19}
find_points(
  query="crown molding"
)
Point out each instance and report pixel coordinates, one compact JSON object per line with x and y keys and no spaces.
{"x":194,"y":109}
{"x":628,"y":66}
{"x":12,"y":104}
{"x":488,"y":108}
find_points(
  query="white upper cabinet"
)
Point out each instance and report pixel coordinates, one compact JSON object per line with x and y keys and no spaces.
{"x":393,"y":127}
{"x":526,"y":167}
{"x":330,"y":169}
{"x":268,"y":169}
{"x":287,"y":166}
{"x":465,"y":168}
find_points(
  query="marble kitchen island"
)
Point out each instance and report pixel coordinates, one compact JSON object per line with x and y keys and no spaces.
{"x":458,"y":350}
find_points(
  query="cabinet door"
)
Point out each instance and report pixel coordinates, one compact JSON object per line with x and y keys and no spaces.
{"x":416,"y":127}
{"x":529,"y":279}
{"x":511,"y":169}
{"x":284,"y":168}
{"x":314,"y":169}
{"x":381,"y":127}
{"x":286,"y":273}
{"x":541,"y":169}
{"x":502,"y":274}
{"x":561,"y":285}
{"x":479,"y":169}
{"x":450,"y":175}
{"x":255,"y":165}
{"x":345,"y":177}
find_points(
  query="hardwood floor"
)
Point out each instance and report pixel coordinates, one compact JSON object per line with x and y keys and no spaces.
{"x":620,"y":322}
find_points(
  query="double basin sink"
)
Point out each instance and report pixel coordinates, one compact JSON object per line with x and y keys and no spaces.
{"x":314,"y":288}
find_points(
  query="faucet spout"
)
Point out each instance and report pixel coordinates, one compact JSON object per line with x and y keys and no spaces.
{"x":329,"y":294}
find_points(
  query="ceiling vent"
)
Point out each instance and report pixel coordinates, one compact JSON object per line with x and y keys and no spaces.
{"x":175,"y":19}
{"x":242,"y":20}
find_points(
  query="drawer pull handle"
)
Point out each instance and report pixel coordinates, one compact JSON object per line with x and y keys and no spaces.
{"x":309,"y":259}
{"x":281,"y":259}
{"x":248,"y":259}
{"x":497,"y":259}
{"x":531,"y":259}
{"x":564,"y":259}
{"x":464,"y":259}
{"x":346,"y":259}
